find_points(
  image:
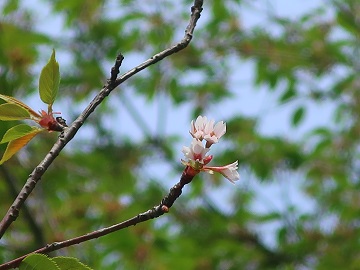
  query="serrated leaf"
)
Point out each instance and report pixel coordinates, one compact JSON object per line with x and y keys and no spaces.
{"x":298,"y":116}
{"x":15,"y":145}
{"x":69,"y":263}
{"x":10,"y":112}
{"x":38,"y":262}
{"x":13,"y":100}
{"x":18,"y":132}
{"x":49,"y":81}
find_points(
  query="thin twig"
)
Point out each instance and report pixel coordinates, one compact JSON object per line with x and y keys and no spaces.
{"x":70,"y":132}
{"x":154,"y":212}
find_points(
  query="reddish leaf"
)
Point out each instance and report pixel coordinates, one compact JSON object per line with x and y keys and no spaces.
{"x":14,"y":146}
{"x":18,"y":132}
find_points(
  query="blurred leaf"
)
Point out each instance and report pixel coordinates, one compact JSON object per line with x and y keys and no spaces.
{"x":10,"y":6}
{"x":49,"y":81}
{"x":298,"y":116}
{"x":346,"y":19}
{"x":289,"y":93}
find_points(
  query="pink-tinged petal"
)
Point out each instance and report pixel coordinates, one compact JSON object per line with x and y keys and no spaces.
{"x":228,"y":171}
{"x":192,"y":127}
{"x":211,"y":139}
{"x":196,"y":152}
{"x":197,"y":127}
{"x":197,"y":146}
{"x":209,"y":127}
{"x":220,"y":129}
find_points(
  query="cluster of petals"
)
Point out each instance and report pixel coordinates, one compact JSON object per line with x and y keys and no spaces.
{"x":202,"y":128}
{"x":196,"y":154}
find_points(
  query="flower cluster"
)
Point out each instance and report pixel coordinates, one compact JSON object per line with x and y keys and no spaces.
{"x":204,"y":129}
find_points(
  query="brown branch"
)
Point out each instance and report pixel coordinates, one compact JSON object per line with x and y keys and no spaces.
{"x":70,"y":132}
{"x":33,"y":225}
{"x":154,"y":212}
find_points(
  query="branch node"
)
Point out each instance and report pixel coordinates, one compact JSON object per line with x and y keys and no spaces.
{"x":165,"y":209}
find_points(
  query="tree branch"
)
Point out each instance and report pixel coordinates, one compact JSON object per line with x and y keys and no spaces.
{"x":154,"y":212}
{"x":70,"y":132}
{"x":33,"y":225}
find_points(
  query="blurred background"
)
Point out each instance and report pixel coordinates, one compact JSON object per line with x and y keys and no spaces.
{"x":281,"y":74}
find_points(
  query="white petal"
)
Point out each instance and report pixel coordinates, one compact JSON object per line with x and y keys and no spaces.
{"x":209,"y":127}
{"x":186,"y":151}
{"x":220,"y":129}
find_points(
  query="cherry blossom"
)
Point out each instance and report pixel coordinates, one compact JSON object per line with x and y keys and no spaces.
{"x":202,"y":128}
{"x":214,"y":133}
{"x":196,"y":154}
{"x":228,"y":171}
{"x":197,"y":127}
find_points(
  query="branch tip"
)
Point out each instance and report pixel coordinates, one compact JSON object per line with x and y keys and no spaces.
{"x":115,"y":70}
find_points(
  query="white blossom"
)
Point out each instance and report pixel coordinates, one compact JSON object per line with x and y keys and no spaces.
{"x":228,"y":171}
{"x":213,"y":134}
{"x":196,"y":152}
{"x":197,"y":160}
{"x":197,"y":127}
{"x":202,"y":128}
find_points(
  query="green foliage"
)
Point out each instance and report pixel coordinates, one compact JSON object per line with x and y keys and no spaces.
{"x":14,"y":109}
{"x":17,"y":137}
{"x":42,"y":262}
{"x":68,"y":263}
{"x":298,"y":116}
{"x":49,"y":81}
{"x":18,"y":132}
{"x":38,"y":262}
{"x":13,"y":112}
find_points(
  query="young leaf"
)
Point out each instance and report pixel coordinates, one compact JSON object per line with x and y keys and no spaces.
{"x":38,"y":262}
{"x":18,"y":132}
{"x":13,"y":100}
{"x":10,"y":112}
{"x":15,"y":145}
{"x":49,"y":81}
{"x":69,"y":263}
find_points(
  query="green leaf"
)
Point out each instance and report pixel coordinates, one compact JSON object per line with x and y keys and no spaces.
{"x":49,"y":81}
{"x":17,"y":102}
{"x":298,"y":116}
{"x":18,"y":132}
{"x":69,"y":263}
{"x":10,"y":112}
{"x":38,"y":262}
{"x":20,"y":136}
